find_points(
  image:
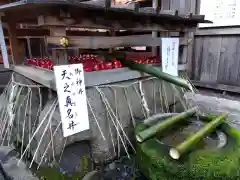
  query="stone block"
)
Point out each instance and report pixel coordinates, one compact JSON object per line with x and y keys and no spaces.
{"x":120,"y":97}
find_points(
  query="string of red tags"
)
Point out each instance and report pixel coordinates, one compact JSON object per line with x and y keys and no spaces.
{"x":93,"y":62}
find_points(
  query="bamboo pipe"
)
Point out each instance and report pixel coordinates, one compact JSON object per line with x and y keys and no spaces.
{"x":161,"y":126}
{"x":176,"y":152}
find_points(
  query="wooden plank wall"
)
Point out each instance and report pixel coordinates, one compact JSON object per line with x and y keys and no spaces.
{"x":183,"y":6}
{"x":216,"y":52}
{"x":216,"y":59}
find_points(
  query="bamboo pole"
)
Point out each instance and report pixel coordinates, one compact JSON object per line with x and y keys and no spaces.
{"x":161,"y":126}
{"x":149,"y":69}
{"x":182,"y":148}
{"x":225,"y":127}
{"x":157,"y":72}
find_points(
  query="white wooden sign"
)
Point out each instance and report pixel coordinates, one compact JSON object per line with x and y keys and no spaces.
{"x":72,"y":98}
{"x":221,"y":12}
{"x":170,"y":48}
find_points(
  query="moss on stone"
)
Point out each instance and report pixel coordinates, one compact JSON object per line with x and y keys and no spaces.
{"x":51,"y":173}
{"x":221,"y":164}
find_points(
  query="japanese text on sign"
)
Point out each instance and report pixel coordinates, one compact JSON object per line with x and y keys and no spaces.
{"x":170,"y":55}
{"x":72,"y":98}
{"x":221,"y":12}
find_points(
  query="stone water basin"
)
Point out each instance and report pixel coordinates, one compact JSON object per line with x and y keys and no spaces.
{"x":177,"y":135}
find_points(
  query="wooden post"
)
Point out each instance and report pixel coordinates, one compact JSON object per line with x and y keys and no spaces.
{"x":63,"y":57}
{"x":54,"y":57}
{"x":112,"y":33}
{"x":59,"y":56}
{"x":76,"y":52}
{"x":187,"y":53}
{"x":3,"y":47}
{"x":17,"y":52}
{"x":29,"y":47}
{"x":154,"y":33}
{"x":183,"y":58}
{"x":189,"y":48}
{"x":197,"y":8}
{"x":46,"y":46}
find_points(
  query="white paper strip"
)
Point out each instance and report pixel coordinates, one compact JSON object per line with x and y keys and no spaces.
{"x":170,"y":48}
{"x":72,"y":98}
{"x":221,"y":12}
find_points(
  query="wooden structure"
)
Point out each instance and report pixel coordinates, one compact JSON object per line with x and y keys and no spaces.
{"x":216,"y":59}
{"x":56,"y":15}
{"x":216,"y":54}
{"x":141,"y":27}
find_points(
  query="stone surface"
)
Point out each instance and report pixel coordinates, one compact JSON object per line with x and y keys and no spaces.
{"x":101,"y":150}
{"x":5,"y":77}
{"x":216,"y":106}
{"x":76,"y":158}
{"x":94,"y":175}
{"x":26,"y":108}
{"x":15,"y":171}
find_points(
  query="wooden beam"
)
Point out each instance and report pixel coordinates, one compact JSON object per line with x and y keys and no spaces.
{"x":128,"y":53}
{"x":89,"y":42}
{"x":215,"y":86}
{"x":17,"y":51}
{"x":30,"y":10}
{"x":102,"y":3}
{"x":86,"y":33}
{"x":169,"y":12}
{"x":148,"y":9}
{"x":26,"y":37}
{"x":218,"y":31}
{"x":58,"y":31}
{"x":29,"y":32}
{"x":102,"y":23}
{"x":38,"y":32}
{"x":133,"y":6}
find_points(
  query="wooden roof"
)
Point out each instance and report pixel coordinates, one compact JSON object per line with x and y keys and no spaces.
{"x":30,"y":10}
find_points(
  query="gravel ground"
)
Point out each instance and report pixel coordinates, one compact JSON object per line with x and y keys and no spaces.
{"x":220,"y":94}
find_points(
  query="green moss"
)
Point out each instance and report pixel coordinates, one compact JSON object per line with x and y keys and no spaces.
{"x":84,"y":167}
{"x":155,"y":163}
{"x":51,"y":173}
